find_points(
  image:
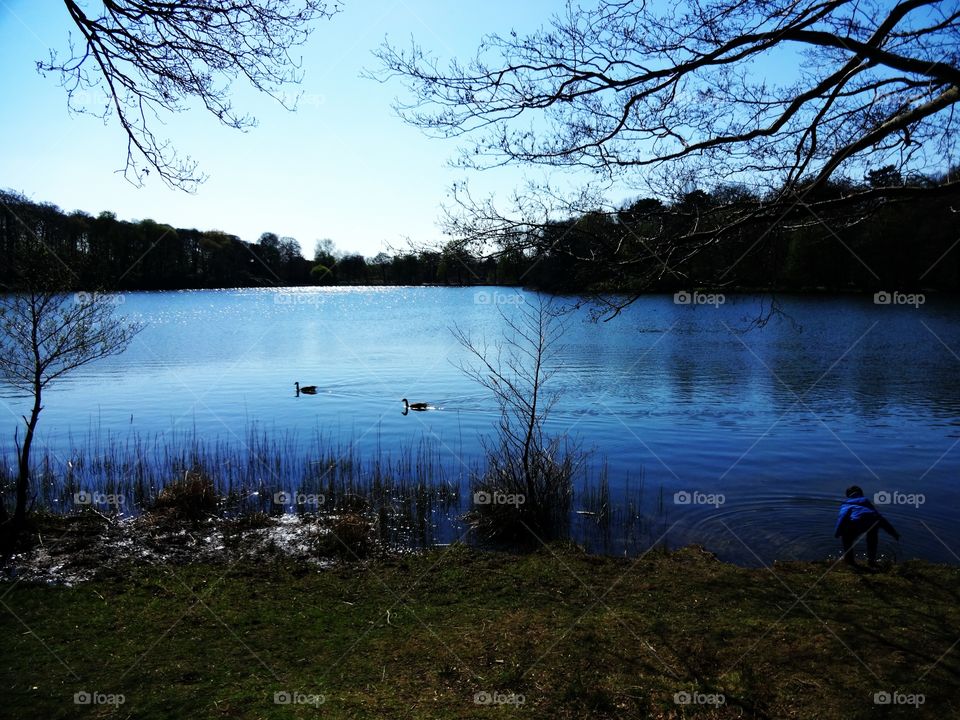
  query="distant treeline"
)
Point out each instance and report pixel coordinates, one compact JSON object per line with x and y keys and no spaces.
{"x":105,"y":252}
{"x":900,"y":245}
{"x":824,"y":241}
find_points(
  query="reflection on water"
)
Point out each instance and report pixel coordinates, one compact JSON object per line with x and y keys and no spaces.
{"x":779,"y":419}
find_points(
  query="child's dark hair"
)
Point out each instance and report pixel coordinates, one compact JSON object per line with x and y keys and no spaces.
{"x":854,"y":491}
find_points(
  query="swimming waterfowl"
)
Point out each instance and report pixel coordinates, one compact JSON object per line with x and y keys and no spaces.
{"x":407,"y":405}
{"x":306,"y":389}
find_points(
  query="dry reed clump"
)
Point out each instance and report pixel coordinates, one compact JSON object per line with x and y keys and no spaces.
{"x":194,"y":497}
{"x":351,"y":536}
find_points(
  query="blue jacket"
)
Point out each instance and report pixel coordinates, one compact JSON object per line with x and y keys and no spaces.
{"x":857,"y":514}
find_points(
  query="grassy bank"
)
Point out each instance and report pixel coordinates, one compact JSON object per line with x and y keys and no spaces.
{"x":555,"y":633}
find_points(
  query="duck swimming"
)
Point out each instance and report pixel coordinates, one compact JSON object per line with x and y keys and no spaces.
{"x":407,"y":406}
{"x":306,"y":389}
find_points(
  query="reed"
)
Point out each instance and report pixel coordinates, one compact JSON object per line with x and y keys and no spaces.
{"x":411,"y":495}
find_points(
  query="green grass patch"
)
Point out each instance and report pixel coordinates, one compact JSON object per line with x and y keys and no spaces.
{"x":552,"y":634}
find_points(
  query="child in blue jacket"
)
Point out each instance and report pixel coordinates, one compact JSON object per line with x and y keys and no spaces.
{"x":857,"y":517}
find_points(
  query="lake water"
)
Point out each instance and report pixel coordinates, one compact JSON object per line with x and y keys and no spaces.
{"x":777,"y":420}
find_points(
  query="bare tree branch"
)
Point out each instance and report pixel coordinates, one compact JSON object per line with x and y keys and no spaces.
{"x":669,"y":98}
{"x":619,"y":86}
{"x":143,"y":58}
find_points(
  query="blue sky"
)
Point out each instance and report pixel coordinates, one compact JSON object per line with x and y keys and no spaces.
{"x":343,"y":166}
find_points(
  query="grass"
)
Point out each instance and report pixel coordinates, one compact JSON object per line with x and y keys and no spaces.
{"x":418,"y":636}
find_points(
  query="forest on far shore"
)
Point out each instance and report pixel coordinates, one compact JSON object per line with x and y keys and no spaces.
{"x":903,"y":245}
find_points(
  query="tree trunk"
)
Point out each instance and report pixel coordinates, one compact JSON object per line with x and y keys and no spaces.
{"x":533,"y":419}
{"x":23,"y":478}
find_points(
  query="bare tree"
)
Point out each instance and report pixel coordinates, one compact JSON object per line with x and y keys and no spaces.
{"x":44,"y":335}
{"x":532,"y":471}
{"x":145,"y":57}
{"x":671,"y":97}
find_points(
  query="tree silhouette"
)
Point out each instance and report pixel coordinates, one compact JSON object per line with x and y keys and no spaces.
{"x":46,"y":333}
{"x":675,"y":97}
{"x":149,"y":57}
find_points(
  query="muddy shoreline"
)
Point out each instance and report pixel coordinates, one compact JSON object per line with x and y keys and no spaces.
{"x":69,"y":549}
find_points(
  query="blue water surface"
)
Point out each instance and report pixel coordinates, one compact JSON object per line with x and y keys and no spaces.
{"x":760,"y":428}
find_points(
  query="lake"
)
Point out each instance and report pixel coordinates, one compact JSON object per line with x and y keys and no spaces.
{"x":717,"y":432}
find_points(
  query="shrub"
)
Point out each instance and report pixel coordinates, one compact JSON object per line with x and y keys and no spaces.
{"x":516,"y":505}
{"x":530,"y":471}
{"x":192,"y":497}
{"x":351,"y":536}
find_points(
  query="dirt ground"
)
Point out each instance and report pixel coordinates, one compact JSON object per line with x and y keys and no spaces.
{"x":74,"y":548}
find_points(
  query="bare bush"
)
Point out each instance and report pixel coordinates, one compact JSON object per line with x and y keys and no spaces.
{"x":526,"y":491}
